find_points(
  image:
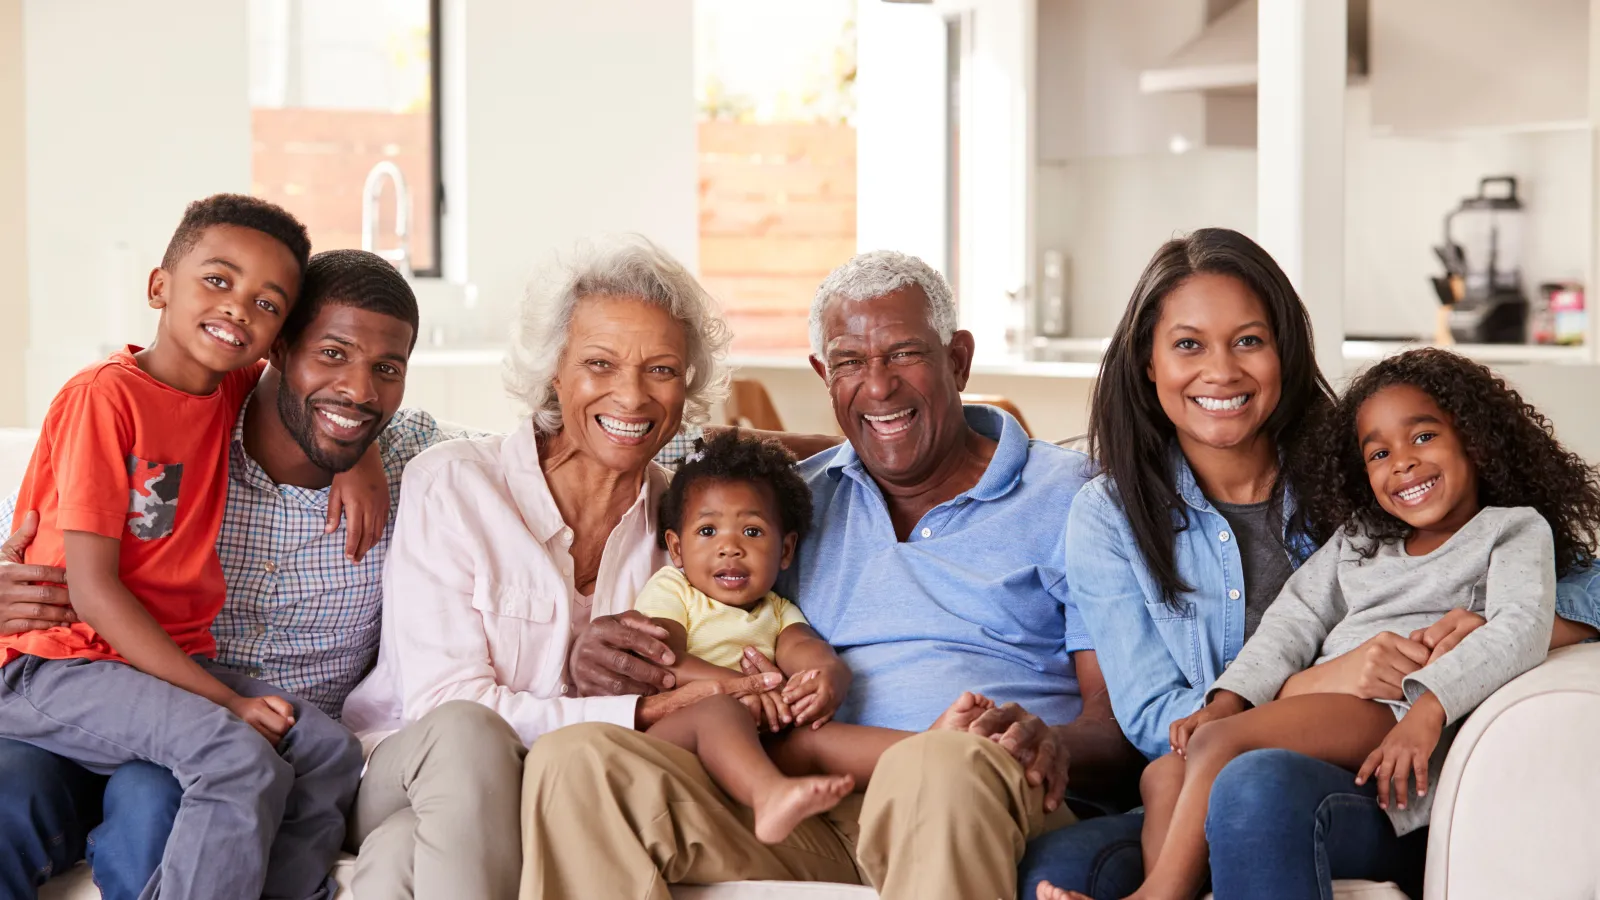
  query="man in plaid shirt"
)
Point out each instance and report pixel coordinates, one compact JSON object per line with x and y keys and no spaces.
{"x":303,"y":603}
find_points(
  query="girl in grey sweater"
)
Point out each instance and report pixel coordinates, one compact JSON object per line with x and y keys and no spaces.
{"x":1442,"y":493}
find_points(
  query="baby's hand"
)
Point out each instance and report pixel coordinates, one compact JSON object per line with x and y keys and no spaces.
{"x":815,"y":695}
{"x":272,"y":717}
{"x":1223,"y":705}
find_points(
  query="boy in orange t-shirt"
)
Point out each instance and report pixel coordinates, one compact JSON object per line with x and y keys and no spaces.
{"x":129,"y":479}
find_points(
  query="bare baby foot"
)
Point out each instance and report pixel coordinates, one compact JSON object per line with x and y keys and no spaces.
{"x":962,"y":713}
{"x":794,"y":800}
{"x":1048,"y":891}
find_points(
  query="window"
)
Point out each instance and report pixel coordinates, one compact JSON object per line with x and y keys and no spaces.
{"x":343,"y":94}
{"x":775,"y":85}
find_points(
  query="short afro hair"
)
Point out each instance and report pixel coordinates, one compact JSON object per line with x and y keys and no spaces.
{"x":730,"y":456}
{"x":246,"y":212}
{"x":351,"y":278}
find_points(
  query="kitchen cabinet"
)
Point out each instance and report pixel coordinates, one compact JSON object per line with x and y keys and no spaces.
{"x":1452,"y":66}
{"x":1090,"y":56}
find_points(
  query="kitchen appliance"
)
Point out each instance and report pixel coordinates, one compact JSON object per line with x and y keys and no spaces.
{"x":1482,"y":256}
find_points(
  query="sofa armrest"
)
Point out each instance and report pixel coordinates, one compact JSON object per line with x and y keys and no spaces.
{"x":1515,"y":809}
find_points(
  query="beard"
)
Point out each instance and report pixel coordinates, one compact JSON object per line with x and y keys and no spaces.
{"x":297,"y":414}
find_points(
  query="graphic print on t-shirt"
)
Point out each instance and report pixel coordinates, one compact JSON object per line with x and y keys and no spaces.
{"x":152,"y":497}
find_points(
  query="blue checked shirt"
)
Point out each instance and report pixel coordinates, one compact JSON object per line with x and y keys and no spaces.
{"x":298,"y":614}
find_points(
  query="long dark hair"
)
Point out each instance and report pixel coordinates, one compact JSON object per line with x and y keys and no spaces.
{"x":1511,"y":445}
{"x":1130,"y":436}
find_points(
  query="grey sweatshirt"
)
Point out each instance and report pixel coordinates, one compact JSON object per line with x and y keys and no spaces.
{"x":1500,"y":565}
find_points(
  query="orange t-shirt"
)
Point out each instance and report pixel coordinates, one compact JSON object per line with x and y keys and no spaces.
{"x":122,"y":455}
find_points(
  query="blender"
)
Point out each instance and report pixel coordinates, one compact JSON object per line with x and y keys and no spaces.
{"x":1482,"y":256}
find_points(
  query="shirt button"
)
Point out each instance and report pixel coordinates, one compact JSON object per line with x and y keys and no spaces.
{"x":1222,"y":536}
{"x":566,"y":533}
{"x":563,"y":689}
{"x":270,"y":566}
{"x":927,"y":532}
{"x":1233,"y":594}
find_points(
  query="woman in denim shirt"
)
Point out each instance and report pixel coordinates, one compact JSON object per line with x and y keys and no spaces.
{"x":1197,"y":423}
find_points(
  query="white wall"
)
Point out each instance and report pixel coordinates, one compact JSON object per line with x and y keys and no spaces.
{"x":1109,"y":214}
{"x":133,"y":110}
{"x":567,"y":120}
{"x":13,"y":215}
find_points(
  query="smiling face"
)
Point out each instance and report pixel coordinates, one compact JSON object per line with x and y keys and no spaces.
{"x":223,"y":302}
{"x":730,"y":543}
{"x":1214,"y":362}
{"x":896,"y":388}
{"x":341,"y":382}
{"x":622,"y":380}
{"x":1416,"y":463}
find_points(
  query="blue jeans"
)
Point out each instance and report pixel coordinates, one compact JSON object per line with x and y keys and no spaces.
{"x":51,"y":813}
{"x":1285,"y":825}
{"x":1280,"y":824}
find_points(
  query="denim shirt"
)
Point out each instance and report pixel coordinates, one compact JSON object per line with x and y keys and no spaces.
{"x":1160,"y":660}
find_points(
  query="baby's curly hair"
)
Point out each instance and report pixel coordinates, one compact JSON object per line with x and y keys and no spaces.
{"x":730,"y":456}
{"x":1518,"y":460}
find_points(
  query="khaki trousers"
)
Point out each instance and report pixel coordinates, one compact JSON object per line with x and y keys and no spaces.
{"x":436,"y":815}
{"x":612,"y":813}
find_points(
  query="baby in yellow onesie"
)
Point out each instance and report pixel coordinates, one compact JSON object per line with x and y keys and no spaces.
{"x":731,"y":521}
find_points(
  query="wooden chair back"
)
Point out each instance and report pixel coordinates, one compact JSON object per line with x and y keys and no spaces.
{"x":750,"y":406}
{"x":1001,"y":402}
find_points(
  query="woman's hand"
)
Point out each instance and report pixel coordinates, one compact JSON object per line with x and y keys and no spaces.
{"x":621,"y":654}
{"x":362,"y":496}
{"x":1223,"y":705}
{"x":1372,"y":671}
{"x":1406,"y":750}
{"x":656,"y":707}
{"x":1442,"y":636}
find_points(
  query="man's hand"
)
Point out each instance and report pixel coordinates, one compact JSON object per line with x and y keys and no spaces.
{"x":271,"y":717}
{"x":32,"y":598}
{"x":621,"y":654}
{"x":656,"y":707}
{"x":1442,"y":636}
{"x":1033,"y":743}
{"x":771,"y":709}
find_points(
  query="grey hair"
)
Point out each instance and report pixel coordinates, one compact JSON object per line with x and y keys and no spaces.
{"x":868,"y":276}
{"x":630,"y":266}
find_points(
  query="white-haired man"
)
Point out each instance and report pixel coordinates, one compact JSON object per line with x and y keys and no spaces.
{"x":935,"y":565}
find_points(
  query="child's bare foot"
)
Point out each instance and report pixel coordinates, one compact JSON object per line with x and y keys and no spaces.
{"x":962,"y":713}
{"x":794,"y":800}
{"x":1048,"y":891}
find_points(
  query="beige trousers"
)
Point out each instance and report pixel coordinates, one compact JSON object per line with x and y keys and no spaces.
{"x":436,"y":815}
{"x":612,"y":813}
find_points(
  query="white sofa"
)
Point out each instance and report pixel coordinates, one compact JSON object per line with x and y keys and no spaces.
{"x":1516,"y":811}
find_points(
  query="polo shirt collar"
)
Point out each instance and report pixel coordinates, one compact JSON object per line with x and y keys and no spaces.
{"x":999,"y":478}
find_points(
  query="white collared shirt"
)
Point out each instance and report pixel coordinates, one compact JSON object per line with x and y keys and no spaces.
{"x":479,"y":592}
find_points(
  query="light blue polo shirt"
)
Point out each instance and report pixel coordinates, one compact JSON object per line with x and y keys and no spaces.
{"x":975,"y":599}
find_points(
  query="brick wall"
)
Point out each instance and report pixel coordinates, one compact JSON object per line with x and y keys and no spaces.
{"x":313,"y":162}
{"x":777,"y":213}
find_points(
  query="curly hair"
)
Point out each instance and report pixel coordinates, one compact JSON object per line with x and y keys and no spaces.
{"x":729,"y":456}
{"x":1511,"y":445}
{"x":355,"y":278}
{"x":246,"y":212}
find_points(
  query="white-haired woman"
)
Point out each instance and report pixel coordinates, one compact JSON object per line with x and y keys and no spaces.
{"x":507,"y":548}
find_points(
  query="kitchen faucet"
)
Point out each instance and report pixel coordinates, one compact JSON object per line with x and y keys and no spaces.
{"x":371,"y":194}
